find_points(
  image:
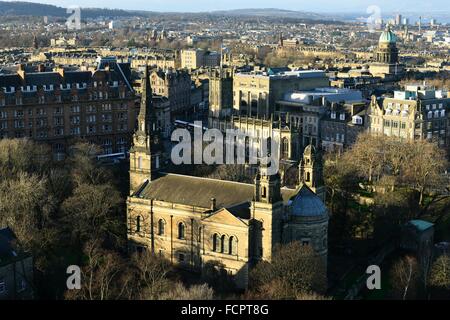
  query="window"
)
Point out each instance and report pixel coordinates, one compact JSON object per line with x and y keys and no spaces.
{"x":161,"y":227}
{"x":59,"y":131}
{"x":2,"y":286}
{"x":333,"y":115}
{"x":305,"y":242}
{"x":22,"y":286}
{"x":75,"y":131}
{"x":222,"y":244}
{"x":285,"y":148}
{"x":214,"y":242}
{"x":231,"y":245}
{"x":342,"y":116}
{"x":181,"y":230}
{"x":75,"y":120}
{"x":181,"y":257}
{"x":90,"y":129}
{"x":308,"y":176}
{"x":263,"y":193}
{"x":138,"y":224}
{"x":139,"y":163}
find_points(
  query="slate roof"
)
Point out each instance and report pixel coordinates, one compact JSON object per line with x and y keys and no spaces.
{"x":198,"y":191}
{"x":307,"y":204}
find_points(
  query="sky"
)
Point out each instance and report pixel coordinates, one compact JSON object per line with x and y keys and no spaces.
{"x":324,"y":6}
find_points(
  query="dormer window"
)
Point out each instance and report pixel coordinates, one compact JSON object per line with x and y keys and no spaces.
{"x":333,"y":115}
{"x":342,"y":116}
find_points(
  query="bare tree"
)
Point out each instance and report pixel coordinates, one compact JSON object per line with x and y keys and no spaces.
{"x":195,"y":292}
{"x":151,"y":274}
{"x":404,"y":277}
{"x":294,"y":270}
{"x":439,"y":279}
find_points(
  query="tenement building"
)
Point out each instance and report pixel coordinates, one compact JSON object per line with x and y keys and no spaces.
{"x":175,"y":85}
{"x":63,"y":106}
{"x":193,"y":221}
{"x":416,"y":113}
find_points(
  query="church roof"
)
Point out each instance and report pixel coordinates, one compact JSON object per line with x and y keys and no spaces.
{"x":198,"y":191}
{"x":307,"y":204}
{"x":388,"y":36}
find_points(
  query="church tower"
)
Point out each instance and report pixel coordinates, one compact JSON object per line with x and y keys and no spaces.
{"x":311,"y":173}
{"x":267,"y":212}
{"x":145,"y":152}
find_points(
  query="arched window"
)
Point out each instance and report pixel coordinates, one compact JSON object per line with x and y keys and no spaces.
{"x":285,"y":148}
{"x":161,"y":227}
{"x":181,"y":230}
{"x":215,"y":240}
{"x":222,"y":244}
{"x":138,"y":224}
{"x":308,"y":177}
{"x":264,"y":192}
{"x":231,"y":245}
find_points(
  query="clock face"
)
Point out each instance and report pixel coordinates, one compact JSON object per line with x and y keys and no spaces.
{"x":141,"y":139}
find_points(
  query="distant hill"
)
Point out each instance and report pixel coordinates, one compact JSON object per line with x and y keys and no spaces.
{"x":17,"y":8}
{"x":277,"y":13}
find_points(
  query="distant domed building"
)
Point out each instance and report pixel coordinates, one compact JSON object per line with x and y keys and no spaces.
{"x":386,"y":57}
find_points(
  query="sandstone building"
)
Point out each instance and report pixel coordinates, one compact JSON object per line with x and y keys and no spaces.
{"x":192,"y":221}
{"x":63,"y":106}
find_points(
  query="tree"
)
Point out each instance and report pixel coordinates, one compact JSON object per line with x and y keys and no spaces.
{"x":293,"y":271}
{"x":104,"y":276}
{"x":151,"y":274}
{"x":83,"y":167}
{"x":195,"y":292}
{"x":405,"y":278}
{"x":425,"y":168}
{"x":439,"y":279}
{"x":91,"y":213}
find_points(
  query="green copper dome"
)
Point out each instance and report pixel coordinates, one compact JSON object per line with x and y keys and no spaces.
{"x":388,"y":36}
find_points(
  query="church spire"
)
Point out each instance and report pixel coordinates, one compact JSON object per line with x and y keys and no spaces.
{"x":146,"y":118}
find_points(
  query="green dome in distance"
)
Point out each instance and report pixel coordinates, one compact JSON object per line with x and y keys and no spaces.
{"x":388,"y":36}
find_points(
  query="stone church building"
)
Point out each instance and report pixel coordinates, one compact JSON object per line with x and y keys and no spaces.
{"x":193,"y":220}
